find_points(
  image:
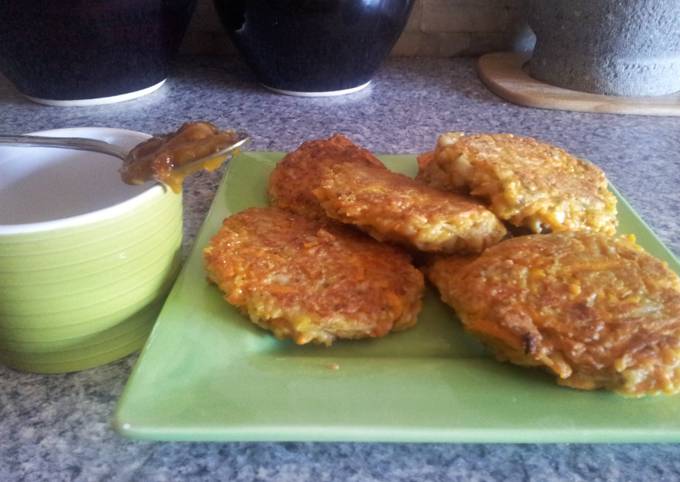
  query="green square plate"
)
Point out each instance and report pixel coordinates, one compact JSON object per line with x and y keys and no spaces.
{"x":207,"y":373}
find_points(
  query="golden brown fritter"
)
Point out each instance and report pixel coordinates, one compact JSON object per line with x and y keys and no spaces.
{"x":297,"y":175}
{"x":394,"y":207}
{"x":524,"y":182}
{"x":310,"y":281}
{"x":596,"y":311}
{"x":430,"y":173}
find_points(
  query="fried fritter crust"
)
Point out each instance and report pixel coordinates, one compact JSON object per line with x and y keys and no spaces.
{"x":525,"y":182}
{"x":596,"y":311}
{"x":393,"y":207}
{"x":310,"y":281}
{"x":297,"y":175}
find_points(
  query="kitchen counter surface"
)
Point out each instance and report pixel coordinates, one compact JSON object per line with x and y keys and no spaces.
{"x":57,"y":427}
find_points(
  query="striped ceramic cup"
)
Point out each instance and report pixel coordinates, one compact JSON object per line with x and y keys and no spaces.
{"x":85,"y":260}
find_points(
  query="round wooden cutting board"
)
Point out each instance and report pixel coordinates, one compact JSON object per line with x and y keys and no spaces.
{"x":504,"y":74}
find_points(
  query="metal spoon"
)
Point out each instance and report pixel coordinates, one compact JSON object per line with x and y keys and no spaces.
{"x":94,"y":145}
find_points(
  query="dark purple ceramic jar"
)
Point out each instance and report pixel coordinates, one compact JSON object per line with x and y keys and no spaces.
{"x":84,"y":50}
{"x":313,"y":47}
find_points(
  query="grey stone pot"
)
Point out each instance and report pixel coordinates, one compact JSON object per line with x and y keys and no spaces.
{"x":613,"y":47}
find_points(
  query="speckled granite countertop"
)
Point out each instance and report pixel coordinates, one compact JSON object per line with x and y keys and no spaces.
{"x":57,"y":427}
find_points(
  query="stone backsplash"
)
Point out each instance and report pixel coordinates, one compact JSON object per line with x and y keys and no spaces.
{"x":436,"y":28}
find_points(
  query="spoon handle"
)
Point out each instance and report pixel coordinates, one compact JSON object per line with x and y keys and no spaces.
{"x":76,"y":143}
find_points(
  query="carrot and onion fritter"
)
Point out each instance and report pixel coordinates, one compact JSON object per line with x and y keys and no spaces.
{"x":312,"y":281}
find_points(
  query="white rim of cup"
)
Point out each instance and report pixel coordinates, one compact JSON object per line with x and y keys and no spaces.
{"x":102,"y":214}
